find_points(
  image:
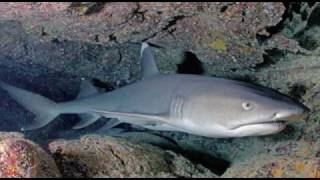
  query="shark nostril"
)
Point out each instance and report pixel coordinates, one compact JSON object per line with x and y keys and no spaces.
{"x":274,"y":116}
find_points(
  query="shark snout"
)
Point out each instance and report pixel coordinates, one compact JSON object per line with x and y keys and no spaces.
{"x":298,"y":112}
{"x":303,"y":112}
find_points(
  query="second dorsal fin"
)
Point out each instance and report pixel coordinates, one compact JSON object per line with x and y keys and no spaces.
{"x":86,"y":89}
{"x":148,"y":64}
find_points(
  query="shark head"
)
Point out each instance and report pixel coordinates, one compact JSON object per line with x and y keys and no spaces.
{"x":238,"y":109}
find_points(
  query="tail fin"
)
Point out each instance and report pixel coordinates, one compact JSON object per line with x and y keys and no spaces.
{"x":44,"y":109}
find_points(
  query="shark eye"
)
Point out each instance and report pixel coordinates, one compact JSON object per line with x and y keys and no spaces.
{"x":246,"y":106}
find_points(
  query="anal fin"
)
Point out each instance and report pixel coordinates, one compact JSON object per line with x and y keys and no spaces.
{"x":111,"y":123}
{"x":86,"y":89}
{"x":86,"y":120}
{"x":161,"y":127}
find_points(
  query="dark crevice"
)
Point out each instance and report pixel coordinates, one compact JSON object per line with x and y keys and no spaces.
{"x":261,"y":38}
{"x":297,"y":91}
{"x":173,"y":22}
{"x":216,"y":165}
{"x":292,"y":7}
{"x":43,"y":33}
{"x":190,"y":65}
{"x":176,"y":148}
{"x":116,"y":155}
{"x":233,"y":69}
{"x":243,"y":14}
{"x":289,"y":7}
{"x":149,"y":37}
{"x":314,"y":18}
{"x":269,"y":59}
{"x":137,"y":13}
{"x":308,"y":42}
{"x":224,"y":8}
{"x":68,"y":166}
{"x":304,"y":15}
{"x":93,"y":7}
{"x":113,"y":38}
{"x":96,"y":38}
{"x":120,"y":56}
{"x":287,"y":14}
{"x":308,"y":39}
{"x":55,"y":40}
{"x":98,"y":83}
{"x":311,"y":3}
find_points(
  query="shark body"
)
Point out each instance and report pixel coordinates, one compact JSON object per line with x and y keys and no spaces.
{"x":205,"y":106}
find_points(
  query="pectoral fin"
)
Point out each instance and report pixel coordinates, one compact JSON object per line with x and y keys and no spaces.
{"x":134,"y":118}
{"x":161,"y":127}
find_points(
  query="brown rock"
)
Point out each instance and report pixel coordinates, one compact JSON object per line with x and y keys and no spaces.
{"x":219,"y":33}
{"x":97,"y":156}
{"x":276,"y":166}
{"x":22,"y":158}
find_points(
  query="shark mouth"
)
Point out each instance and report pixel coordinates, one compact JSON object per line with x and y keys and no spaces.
{"x":277,"y":121}
{"x":276,"y":124}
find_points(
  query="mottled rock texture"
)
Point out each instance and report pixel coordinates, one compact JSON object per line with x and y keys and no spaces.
{"x":98,"y":156}
{"x":47,"y":47}
{"x":21,"y":158}
{"x":276,"y":167}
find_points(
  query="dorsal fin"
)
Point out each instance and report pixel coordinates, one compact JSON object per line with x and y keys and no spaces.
{"x":148,"y":64}
{"x":86,"y":89}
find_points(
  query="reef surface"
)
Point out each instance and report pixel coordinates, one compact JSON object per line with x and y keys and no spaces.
{"x":47,"y":47}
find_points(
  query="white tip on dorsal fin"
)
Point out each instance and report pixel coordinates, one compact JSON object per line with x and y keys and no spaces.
{"x":86,"y":89}
{"x":148,"y":64}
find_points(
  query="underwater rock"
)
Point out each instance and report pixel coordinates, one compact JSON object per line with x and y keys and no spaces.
{"x":7,"y":135}
{"x":219,"y":33}
{"x":281,"y":42}
{"x":48,"y":46}
{"x":276,"y":167}
{"x":103,"y":156}
{"x":21,"y":158}
{"x":310,"y":38}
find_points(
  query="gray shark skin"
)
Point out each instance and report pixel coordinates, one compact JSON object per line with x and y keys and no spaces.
{"x":205,"y":106}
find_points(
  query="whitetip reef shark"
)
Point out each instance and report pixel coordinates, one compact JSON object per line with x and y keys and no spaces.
{"x":195,"y":104}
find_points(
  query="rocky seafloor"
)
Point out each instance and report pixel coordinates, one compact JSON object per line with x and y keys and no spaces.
{"x":47,"y":47}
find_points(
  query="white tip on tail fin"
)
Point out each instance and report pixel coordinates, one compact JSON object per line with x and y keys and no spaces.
{"x":44,"y":109}
{"x":148,"y":64}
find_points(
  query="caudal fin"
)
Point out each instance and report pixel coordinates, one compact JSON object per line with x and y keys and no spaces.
{"x":44,"y":109}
